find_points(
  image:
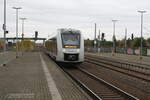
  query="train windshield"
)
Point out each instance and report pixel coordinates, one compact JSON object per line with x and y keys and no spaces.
{"x":71,"y":39}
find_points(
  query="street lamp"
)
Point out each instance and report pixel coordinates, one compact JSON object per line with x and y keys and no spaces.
{"x":4,"y":28}
{"x":114,"y":22}
{"x":141,"y":11}
{"x":125,"y":46}
{"x":23,"y":19}
{"x":99,"y":37}
{"x":95,"y":38}
{"x":17,"y":8}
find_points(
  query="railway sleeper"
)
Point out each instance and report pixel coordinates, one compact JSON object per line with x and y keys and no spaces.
{"x":110,"y":95}
{"x":117,"y":69}
{"x":113,"y":99}
{"x":123,"y":63}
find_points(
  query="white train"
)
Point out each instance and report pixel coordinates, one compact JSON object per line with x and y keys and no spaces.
{"x":66,"y":46}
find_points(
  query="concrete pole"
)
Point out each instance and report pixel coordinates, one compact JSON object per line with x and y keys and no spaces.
{"x":114,"y":37}
{"x":114,"y":22}
{"x":95,"y":37}
{"x":16,"y":33}
{"x":17,"y":8}
{"x":23,"y":19}
{"x":4,"y":26}
{"x":125,"y":40}
{"x":99,"y":40}
{"x":22,"y":28}
{"x":141,"y":32}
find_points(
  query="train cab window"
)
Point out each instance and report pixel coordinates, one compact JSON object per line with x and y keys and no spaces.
{"x":71,"y":39}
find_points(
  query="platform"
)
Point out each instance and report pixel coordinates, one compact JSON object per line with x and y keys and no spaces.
{"x":6,"y":57}
{"x":130,"y":58}
{"x":35,"y":77}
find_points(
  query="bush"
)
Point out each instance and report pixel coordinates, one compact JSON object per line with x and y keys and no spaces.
{"x":1,"y":44}
{"x":26,"y":45}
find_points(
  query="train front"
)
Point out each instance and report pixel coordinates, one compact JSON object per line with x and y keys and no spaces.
{"x":72,"y":46}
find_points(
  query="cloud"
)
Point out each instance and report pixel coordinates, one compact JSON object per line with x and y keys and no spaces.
{"x":48,"y":15}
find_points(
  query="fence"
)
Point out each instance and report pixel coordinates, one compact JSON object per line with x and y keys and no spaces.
{"x":129,"y":51}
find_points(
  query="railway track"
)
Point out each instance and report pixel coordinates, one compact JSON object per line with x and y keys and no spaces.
{"x":125,"y":68}
{"x":135,"y":63}
{"x":97,"y":87}
{"x":139,"y":66}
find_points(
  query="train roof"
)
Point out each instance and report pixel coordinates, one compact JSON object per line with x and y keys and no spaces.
{"x":62,"y":30}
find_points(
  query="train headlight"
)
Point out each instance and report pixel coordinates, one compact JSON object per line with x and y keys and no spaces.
{"x":78,"y":50}
{"x":64,"y":50}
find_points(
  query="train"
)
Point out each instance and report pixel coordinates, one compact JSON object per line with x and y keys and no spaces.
{"x":66,"y":46}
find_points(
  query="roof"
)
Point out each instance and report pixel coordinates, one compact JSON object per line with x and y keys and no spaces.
{"x":62,"y":30}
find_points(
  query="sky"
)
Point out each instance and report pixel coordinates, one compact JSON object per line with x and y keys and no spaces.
{"x":49,"y":15}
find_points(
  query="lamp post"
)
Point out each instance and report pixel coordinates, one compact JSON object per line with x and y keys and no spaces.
{"x":99,"y":37}
{"x":95,"y":38}
{"x":125,"y":45}
{"x":4,"y":28}
{"x":23,"y":19}
{"x":17,"y":8}
{"x":141,"y":32}
{"x":114,"y":23}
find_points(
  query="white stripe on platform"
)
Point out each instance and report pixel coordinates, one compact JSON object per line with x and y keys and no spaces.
{"x":51,"y":84}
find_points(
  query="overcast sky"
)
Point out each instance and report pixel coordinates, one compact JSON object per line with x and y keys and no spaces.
{"x":48,"y":15}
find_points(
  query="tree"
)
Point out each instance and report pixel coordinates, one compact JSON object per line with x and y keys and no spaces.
{"x":1,"y":44}
{"x":129,"y":43}
{"x":26,"y":45}
{"x":137,"y":42}
{"x":148,"y":40}
{"x":120,"y":43}
{"x":88,"y":43}
{"x":106,"y":43}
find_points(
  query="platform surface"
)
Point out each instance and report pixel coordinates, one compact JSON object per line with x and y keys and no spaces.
{"x":35,"y":77}
{"x":6,"y":57}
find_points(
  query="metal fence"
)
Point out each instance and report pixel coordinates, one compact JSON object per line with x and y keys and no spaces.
{"x":129,"y":51}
